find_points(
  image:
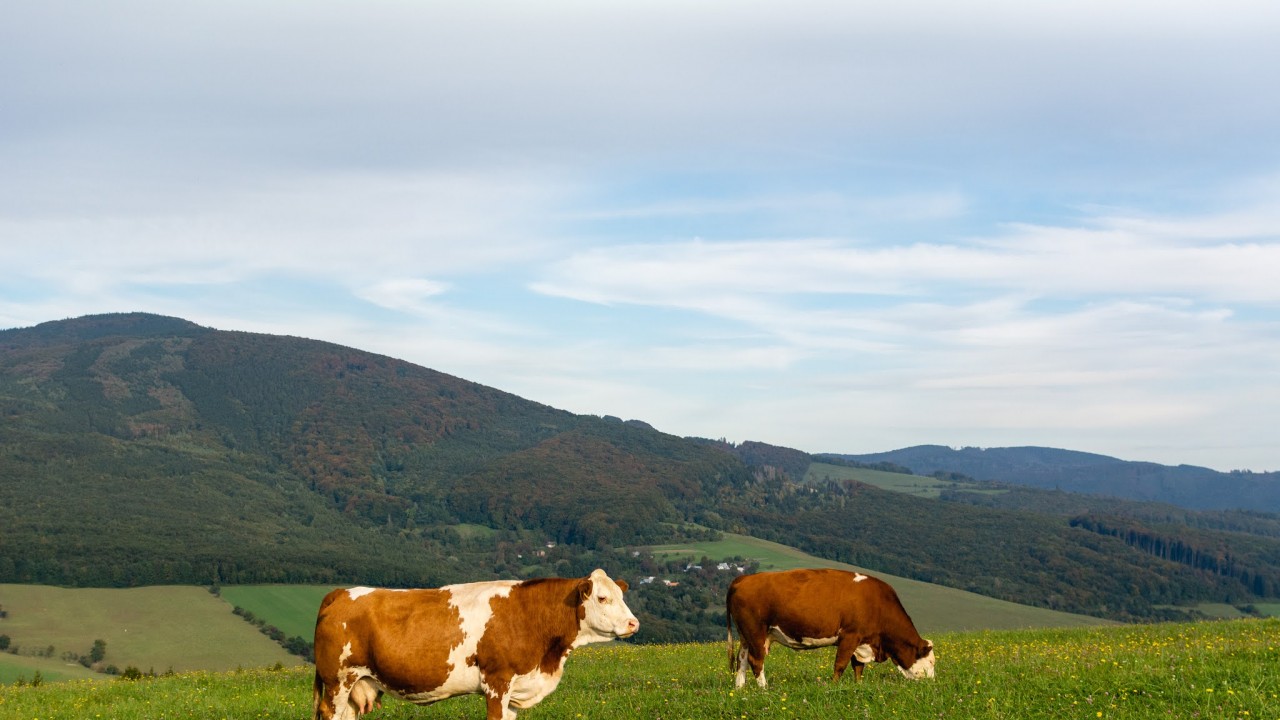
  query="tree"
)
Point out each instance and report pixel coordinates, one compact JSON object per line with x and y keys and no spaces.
{"x":98,"y":652}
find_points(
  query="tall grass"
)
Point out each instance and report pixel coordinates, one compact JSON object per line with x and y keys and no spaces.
{"x":1206,"y":670}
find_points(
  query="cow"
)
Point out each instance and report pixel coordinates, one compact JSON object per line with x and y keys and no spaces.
{"x":507,"y":639}
{"x":805,"y":609}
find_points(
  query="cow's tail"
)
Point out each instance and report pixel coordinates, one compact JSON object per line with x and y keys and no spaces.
{"x":729,"y":645}
{"x":316,"y":692}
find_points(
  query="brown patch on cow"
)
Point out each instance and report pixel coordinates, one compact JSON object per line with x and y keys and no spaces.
{"x":414,"y":660}
{"x":553,"y":606}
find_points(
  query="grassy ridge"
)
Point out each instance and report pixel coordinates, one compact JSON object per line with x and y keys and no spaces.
{"x":919,"y":485}
{"x":1206,"y":670}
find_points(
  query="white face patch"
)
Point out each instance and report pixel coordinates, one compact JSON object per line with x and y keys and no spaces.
{"x":922,"y":668}
{"x":606,"y":614}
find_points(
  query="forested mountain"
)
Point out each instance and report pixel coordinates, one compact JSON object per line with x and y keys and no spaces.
{"x":178,"y":453}
{"x":137,"y":449}
{"x":1184,"y":485}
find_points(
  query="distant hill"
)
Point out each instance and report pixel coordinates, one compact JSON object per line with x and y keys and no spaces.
{"x":184,"y":453}
{"x":1079,"y":472}
{"x":142,"y":450}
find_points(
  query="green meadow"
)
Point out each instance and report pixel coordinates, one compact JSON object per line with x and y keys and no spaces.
{"x":1222,"y":669}
{"x":933,"y":608}
{"x":920,"y":485}
{"x":292,"y":608}
{"x":158,"y":629}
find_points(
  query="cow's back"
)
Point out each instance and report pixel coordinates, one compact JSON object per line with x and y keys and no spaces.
{"x":811,"y":603}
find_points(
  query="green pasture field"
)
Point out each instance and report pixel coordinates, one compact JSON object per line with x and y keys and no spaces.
{"x":1215,"y":670}
{"x":919,"y":485}
{"x":291,"y":608}
{"x":152,"y":628}
{"x":933,"y":608}
{"x":15,"y":668}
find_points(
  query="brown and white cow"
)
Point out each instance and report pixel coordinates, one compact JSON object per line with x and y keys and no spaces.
{"x":507,"y":639}
{"x":806,"y":609}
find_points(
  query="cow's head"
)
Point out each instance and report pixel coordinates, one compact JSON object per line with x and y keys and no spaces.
{"x":603,"y":614}
{"x":922,"y":666}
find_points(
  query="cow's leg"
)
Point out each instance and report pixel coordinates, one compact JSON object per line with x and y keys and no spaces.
{"x":333,"y":701}
{"x":843,"y":657}
{"x":324,"y":705}
{"x":753,"y":638}
{"x":756,"y":654}
{"x":497,"y":707}
{"x":740,"y":678}
{"x":497,"y":698}
{"x":853,"y":649}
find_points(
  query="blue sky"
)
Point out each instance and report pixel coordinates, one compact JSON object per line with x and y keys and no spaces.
{"x":833,"y":226}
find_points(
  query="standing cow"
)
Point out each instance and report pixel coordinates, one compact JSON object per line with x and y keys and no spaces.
{"x":507,"y":639}
{"x":806,"y":609}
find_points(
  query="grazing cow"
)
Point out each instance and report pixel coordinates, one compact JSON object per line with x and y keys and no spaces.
{"x":806,"y":609}
{"x":507,"y":639}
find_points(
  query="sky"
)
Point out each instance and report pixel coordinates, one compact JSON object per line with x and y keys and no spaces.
{"x":835,"y":226}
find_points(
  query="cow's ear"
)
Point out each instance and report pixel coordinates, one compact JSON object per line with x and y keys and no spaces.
{"x":584,"y":589}
{"x":622,"y":585}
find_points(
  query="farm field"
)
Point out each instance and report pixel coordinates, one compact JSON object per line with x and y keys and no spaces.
{"x":15,"y":668}
{"x":1222,"y":669}
{"x":933,"y":608}
{"x":920,"y":485}
{"x":291,"y":608}
{"x":152,"y":628}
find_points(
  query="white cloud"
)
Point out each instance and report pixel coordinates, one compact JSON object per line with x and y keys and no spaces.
{"x":408,"y":294}
{"x":986,"y":223}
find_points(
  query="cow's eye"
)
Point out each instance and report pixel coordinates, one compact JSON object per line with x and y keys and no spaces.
{"x":603,"y":598}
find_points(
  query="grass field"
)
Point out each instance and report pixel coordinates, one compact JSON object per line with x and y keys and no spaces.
{"x":933,"y":608}
{"x":15,"y":668}
{"x":1215,"y":670}
{"x":292,"y":608}
{"x":151,"y":628}
{"x":919,"y":485}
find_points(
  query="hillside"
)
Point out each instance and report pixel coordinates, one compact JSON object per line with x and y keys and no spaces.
{"x":185,"y":454}
{"x":141,"y":450}
{"x":1078,"y":472}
